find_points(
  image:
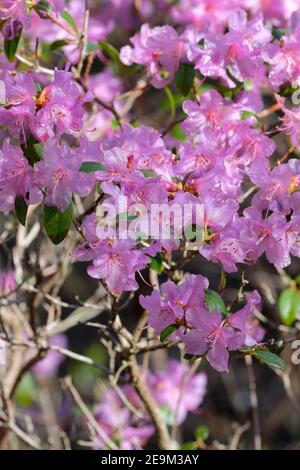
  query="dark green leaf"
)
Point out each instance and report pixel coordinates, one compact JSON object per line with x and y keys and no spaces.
{"x":184,"y":78}
{"x":215,"y":302}
{"x":157,"y":263}
{"x":11,"y":46}
{"x":42,"y":6}
{"x":33,"y":150}
{"x":113,"y":54}
{"x":91,"y":167}
{"x":269,"y":358}
{"x":178,"y":133}
{"x":190,"y":357}
{"x":21,"y":209}
{"x":70,"y":20}
{"x":289,"y":306}
{"x":279,"y":32}
{"x":168,"y":331}
{"x":59,"y":44}
{"x":57,"y":224}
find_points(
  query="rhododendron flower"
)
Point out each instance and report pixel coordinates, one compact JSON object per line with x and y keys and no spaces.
{"x":15,"y":15}
{"x":18,"y":113}
{"x":159,"y":49}
{"x":276,"y":186}
{"x":118,"y":424}
{"x":15,"y":176}
{"x":116,"y":262}
{"x":177,"y":389}
{"x":245,"y":322}
{"x":214,"y":338}
{"x":210,"y":120}
{"x":236,"y":54}
{"x":284,"y":57}
{"x":48,"y":366}
{"x":60,"y":107}
{"x":59,"y":175}
{"x":175,"y":303}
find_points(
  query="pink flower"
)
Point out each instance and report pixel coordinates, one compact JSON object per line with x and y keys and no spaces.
{"x":18,"y":114}
{"x":48,"y":366}
{"x":59,"y":175}
{"x":234,"y":54}
{"x":159,"y":50}
{"x":15,"y":176}
{"x":284,"y":57}
{"x":116,"y":262}
{"x":175,"y":303}
{"x":245,"y":322}
{"x":177,"y":389}
{"x":60,"y":107}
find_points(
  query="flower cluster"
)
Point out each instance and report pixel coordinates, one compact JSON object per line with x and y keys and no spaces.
{"x":203,"y":331}
{"x":177,"y":391}
{"x":63,"y":134}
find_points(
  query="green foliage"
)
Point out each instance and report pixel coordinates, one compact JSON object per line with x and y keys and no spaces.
{"x":184,"y":78}
{"x":11,"y":46}
{"x":168,"y":331}
{"x":91,"y":167}
{"x":21,"y":209}
{"x":269,"y":358}
{"x":57,"y":224}
{"x":215,"y":302}
{"x":289,"y":305}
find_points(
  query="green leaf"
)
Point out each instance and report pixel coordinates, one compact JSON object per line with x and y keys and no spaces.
{"x":42,"y":6}
{"x":70,"y":20}
{"x":279,"y":32}
{"x":26,"y":393}
{"x":113,"y":54}
{"x":33,"y":150}
{"x":269,"y":358}
{"x":188,"y":446}
{"x":58,"y":44}
{"x":91,"y":47}
{"x":57,"y":224}
{"x":157,"y":263}
{"x":148,"y":173}
{"x":172,"y":104}
{"x":184,"y":78}
{"x":11,"y":46}
{"x":246,"y":114}
{"x":289,"y":306}
{"x":168,"y":331}
{"x":178,"y":133}
{"x":190,"y":357}
{"x":21,"y":209}
{"x":91,"y":167}
{"x":215,"y":302}
{"x":202,"y":433}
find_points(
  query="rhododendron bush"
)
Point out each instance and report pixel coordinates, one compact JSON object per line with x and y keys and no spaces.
{"x":150,"y":224}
